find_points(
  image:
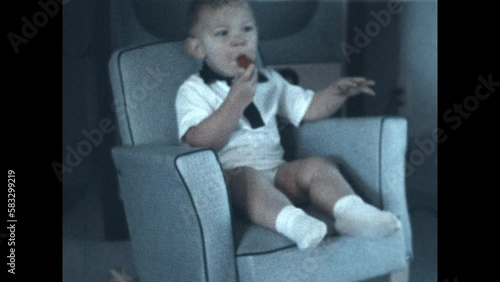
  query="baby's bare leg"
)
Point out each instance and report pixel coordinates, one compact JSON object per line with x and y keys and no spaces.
{"x":328,"y":190}
{"x":253,"y":194}
{"x":315,"y":178}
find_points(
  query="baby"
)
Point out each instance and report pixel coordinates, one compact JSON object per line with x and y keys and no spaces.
{"x":232,"y":109}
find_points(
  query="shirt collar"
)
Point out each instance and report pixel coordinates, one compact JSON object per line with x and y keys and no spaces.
{"x":209,"y":76}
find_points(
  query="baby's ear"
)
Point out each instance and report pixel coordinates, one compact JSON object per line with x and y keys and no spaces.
{"x":194,"y":47}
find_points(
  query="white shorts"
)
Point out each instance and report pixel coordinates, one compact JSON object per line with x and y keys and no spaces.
{"x":270,"y":174}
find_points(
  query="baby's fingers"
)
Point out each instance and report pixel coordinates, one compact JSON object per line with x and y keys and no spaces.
{"x":243,"y":76}
{"x":367,"y":90}
{"x":239,"y":73}
{"x":343,"y":85}
{"x":249,"y":73}
{"x":254,"y":73}
{"x":361,"y":81}
{"x":369,"y":82}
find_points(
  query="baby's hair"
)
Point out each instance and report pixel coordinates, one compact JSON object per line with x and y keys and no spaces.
{"x":196,"y":6}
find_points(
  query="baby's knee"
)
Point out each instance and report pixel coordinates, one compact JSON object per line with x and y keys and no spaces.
{"x":318,"y":163}
{"x":314,"y":166}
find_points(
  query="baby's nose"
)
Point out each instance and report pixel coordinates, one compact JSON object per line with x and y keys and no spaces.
{"x":238,"y":40}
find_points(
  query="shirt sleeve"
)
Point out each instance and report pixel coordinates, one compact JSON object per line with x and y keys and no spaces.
{"x":192,"y":107}
{"x":294,"y":100}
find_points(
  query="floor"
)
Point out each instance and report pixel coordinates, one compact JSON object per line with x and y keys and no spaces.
{"x":87,"y":257}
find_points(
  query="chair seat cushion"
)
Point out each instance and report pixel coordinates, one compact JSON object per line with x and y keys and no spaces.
{"x":250,"y":238}
{"x":265,"y":255}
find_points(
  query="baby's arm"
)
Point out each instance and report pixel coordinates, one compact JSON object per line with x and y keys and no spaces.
{"x":327,"y":101}
{"x":214,"y":131}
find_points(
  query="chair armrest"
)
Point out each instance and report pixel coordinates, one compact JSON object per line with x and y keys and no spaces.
{"x":178,"y":212}
{"x":371,"y":154}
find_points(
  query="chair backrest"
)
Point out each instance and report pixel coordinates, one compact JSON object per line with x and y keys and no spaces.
{"x":145,"y":81}
{"x":145,"y":78}
{"x":276,"y":19}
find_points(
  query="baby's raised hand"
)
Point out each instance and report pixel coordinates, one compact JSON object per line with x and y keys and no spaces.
{"x":351,"y":86}
{"x":244,"y":84}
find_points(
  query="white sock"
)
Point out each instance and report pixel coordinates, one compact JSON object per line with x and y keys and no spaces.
{"x":306,"y":231}
{"x":356,"y":218}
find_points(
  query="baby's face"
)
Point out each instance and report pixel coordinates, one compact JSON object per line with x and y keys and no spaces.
{"x":224,"y":34}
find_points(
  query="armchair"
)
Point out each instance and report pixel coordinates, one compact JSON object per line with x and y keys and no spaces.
{"x":180,"y":219}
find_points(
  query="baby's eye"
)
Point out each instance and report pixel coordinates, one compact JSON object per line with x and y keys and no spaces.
{"x":248,"y":28}
{"x":221,"y":33}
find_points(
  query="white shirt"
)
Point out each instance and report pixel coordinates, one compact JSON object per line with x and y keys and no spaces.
{"x":259,"y":148}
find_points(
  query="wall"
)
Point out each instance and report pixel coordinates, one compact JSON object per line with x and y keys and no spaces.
{"x":419,"y":66}
{"x":316,"y":43}
{"x":80,"y":103}
{"x":402,"y":55}
{"x":402,"y":59}
{"x":86,"y":107}
{"x":418,"y":78}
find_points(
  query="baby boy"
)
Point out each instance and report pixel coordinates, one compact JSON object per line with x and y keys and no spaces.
{"x":232,"y":109}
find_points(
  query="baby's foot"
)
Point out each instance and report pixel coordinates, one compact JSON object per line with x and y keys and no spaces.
{"x":314,"y":234}
{"x":305,"y":230}
{"x":354,"y":217}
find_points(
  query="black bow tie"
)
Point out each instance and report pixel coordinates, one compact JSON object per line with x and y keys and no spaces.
{"x":251,"y":112}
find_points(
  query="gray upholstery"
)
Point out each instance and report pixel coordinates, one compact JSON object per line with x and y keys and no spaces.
{"x":342,"y":259}
{"x":368,"y":150}
{"x":145,"y":80}
{"x":148,"y":182}
{"x":371,"y":153}
{"x":206,"y":186}
{"x":182,"y":226}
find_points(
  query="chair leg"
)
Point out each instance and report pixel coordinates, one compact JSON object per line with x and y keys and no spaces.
{"x":402,"y":275}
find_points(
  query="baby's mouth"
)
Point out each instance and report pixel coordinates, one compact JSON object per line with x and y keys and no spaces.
{"x":244,"y":61}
